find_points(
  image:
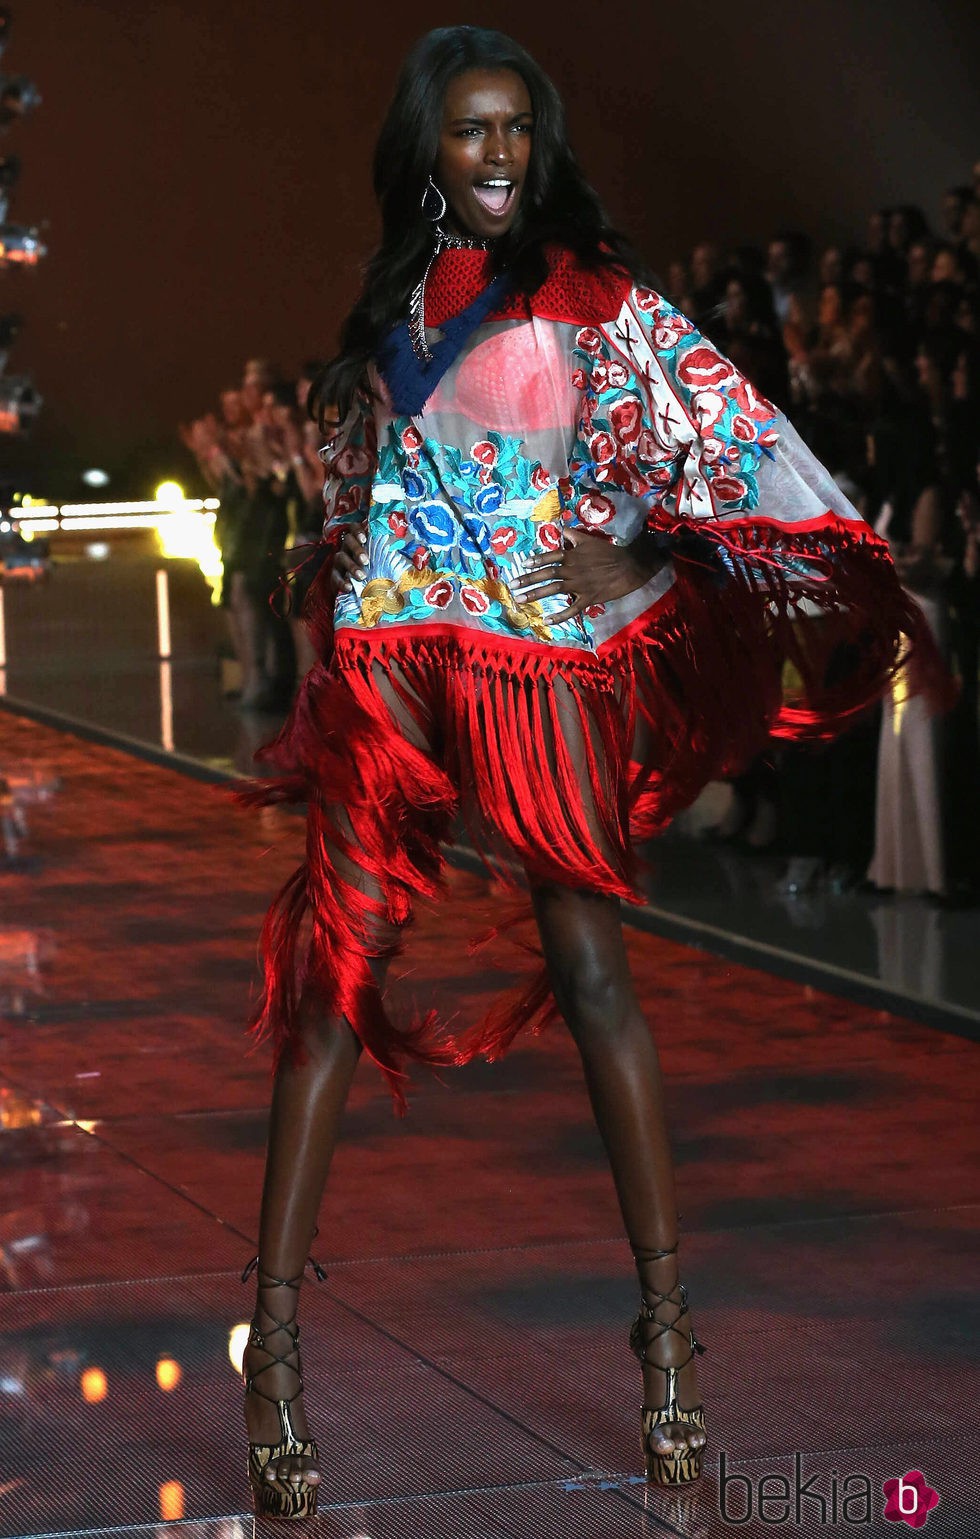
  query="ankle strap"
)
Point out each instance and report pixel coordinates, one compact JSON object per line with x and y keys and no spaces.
{"x":642,"y":1254}
{"x":266,"y":1279}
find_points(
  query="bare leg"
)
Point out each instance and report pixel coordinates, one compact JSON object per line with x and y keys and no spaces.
{"x":583,"y":943}
{"x":307,"y":1106}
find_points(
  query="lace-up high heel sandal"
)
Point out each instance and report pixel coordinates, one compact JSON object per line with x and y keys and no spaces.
{"x":684,"y":1464}
{"x":279,"y":1498}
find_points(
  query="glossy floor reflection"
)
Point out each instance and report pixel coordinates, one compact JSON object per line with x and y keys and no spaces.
{"x":467,"y":1354}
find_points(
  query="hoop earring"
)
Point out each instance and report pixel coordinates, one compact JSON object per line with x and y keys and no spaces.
{"x":426,"y":202}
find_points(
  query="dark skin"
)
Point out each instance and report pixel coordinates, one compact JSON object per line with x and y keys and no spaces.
{"x":487,"y":137}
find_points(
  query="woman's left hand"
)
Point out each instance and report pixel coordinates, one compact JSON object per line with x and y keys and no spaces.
{"x":589,"y":569}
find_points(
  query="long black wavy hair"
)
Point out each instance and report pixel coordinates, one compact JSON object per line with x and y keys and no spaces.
{"x":558,"y":203}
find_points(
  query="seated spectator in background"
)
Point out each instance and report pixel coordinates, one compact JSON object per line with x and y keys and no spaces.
{"x":954,"y":201}
{"x":917,"y":280}
{"x":679,"y":287}
{"x":707,"y":284}
{"x":905,"y":225}
{"x":748,"y":331}
{"x":830,"y":268}
{"x":969,"y":243}
{"x":787,"y":267}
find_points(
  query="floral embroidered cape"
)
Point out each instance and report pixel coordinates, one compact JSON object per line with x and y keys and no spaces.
{"x":594,"y":405}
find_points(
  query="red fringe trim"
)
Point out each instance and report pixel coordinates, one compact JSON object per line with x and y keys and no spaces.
{"x":691,"y":691}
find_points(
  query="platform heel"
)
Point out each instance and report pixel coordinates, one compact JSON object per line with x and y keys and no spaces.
{"x":282,"y":1499}
{"x":682,"y":1466}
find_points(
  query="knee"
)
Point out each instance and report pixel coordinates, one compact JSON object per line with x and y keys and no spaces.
{"x":596,"y":1001}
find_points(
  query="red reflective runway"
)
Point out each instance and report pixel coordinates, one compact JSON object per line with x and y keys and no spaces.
{"x":467,"y":1357}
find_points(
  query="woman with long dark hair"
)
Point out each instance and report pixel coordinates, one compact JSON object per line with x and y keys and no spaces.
{"x":570,"y":552}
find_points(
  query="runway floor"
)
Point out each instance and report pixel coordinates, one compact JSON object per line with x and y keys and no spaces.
{"x":467,"y":1356}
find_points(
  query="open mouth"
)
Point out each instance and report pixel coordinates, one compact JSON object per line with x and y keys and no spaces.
{"x":495,"y":195}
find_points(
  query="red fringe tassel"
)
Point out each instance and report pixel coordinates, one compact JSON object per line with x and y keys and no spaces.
{"x":556,"y":760}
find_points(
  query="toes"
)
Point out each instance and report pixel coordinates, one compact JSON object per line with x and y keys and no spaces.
{"x":288,"y":1473}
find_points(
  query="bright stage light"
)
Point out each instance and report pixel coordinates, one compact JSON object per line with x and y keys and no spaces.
{"x":237,"y":1342}
{"x":95,"y":477}
{"x":172,"y":1501}
{"x":169,"y":1374}
{"x":191,"y":536}
{"x":94,"y":1385}
{"x":170,"y":494}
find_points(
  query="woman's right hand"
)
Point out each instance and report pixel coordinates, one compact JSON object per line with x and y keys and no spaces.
{"x":350,"y":559}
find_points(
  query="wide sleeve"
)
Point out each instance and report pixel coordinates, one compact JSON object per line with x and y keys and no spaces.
{"x":770,"y":560}
{"x":349,"y":463}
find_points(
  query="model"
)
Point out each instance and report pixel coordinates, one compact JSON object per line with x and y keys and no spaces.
{"x":573,"y":556}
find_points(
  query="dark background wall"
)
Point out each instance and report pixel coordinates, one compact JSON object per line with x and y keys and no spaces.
{"x":204,"y":166}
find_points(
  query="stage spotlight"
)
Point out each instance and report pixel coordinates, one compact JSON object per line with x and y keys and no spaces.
{"x":19,"y":404}
{"x":21,"y":245}
{"x":170,"y":494}
{"x":95,"y":477}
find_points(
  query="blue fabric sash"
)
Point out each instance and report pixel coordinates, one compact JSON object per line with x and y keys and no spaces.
{"x":409,"y":380}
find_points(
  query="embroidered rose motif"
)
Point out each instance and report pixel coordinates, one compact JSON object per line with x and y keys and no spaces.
{"x":412,"y":484}
{"x":565,"y":487}
{"x":474,"y":599}
{"x":595,"y":610}
{"x":626,"y":417}
{"x":748,"y":400}
{"x":589,"y":340}
{"x":743,"y":428}
{"x":503,"y":539}
{"x":346,"y":502}
{"x":540,"y":479}
{"x":602,"y":448}
{"x":728,"y":488}
{"x":398,"y":524}
{"x":646,"y":300}
{"x":432,"y":522}
{"x":439,"y":594}
{"x":411,"y":439}
{"x":489,"y":498}
{"x":550,"y":536}
{"x":647,"y":446}
{"x":669,"y":330}
{"x":599,"y":377}
{"x":484,"y":453}
{"x":596,"y":510}
{"x":708,"y":406}
{"x":579,"y":379}
{"x":703,"y":366}
{"x":619,"y":374}
{"x":420,"y":558}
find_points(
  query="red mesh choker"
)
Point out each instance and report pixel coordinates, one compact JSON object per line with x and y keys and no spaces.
{"x":570,"y":292}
